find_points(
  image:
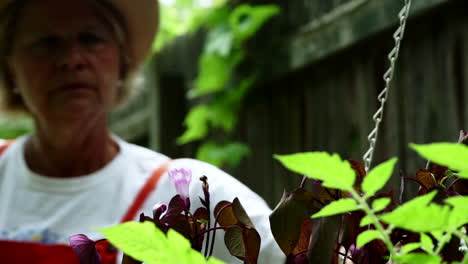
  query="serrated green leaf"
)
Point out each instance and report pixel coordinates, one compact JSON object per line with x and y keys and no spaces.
{"x":366,"y":220}
{"x":426,"y":243}
{"x":331,"y":169}
{"x":338,"y":207}
{"x":458,"y":215}
{"x":380,"y":204}
{"x":145,"y":242}
{"x":367,"y":236}
{"x":451,"y":155}
{"x":378,"y":177}
{"x":408,"y":216}
{"x":419,"y":258}
{"x":405,"y":249}
{"x":439,"y":235}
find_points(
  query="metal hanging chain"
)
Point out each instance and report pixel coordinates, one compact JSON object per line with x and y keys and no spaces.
{"x":388,"y":76}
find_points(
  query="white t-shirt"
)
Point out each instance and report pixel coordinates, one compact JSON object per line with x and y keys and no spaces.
{"x":48,"y":210}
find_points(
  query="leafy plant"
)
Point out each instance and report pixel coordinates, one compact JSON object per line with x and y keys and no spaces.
{"x":228,"y":28}
{"x":371,"y":227}
{"x":176,"y":235}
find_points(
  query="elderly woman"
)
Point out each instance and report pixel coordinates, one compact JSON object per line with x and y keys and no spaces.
{"x":67,"y":64}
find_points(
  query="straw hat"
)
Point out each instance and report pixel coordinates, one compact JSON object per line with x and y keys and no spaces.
{"x":142,"y":21}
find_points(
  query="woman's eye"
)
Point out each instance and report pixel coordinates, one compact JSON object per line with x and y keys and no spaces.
{"x":47,"y":41}
{"x":90,"y":38}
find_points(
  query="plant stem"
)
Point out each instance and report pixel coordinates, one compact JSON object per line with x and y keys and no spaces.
{"x":365,"y":207}
{"x":215,"y":223}
{"x":442,"y":242}
{"x":303,"y":182}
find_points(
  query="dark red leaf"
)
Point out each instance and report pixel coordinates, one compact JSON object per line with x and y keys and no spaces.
{"x":286,"y":219}
{"x":241,"y":214}
{"x":426,"y":178}
{"x":234,"y":242}
{"x":226,"y":216}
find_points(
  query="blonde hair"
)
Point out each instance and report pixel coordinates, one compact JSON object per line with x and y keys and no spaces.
{"x":12,"y":102}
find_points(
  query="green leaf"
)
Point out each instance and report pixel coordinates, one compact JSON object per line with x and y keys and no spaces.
{"x":219,"y":41}
{"x":366,"y":220}
{"x":452,"y":155}
{"x":145,"y":242}
{"x":367,"y":236}
{"x":439,"y":235}
{"x":405,"y":249}
{"x":378,"y":177}
{"x":226,"y":106}
{"x":458,"y":215}
{"x":215,"y":71}
{"x":419,"y":258}
{"x":334,"y":172}
{"x":414,"y":215}
{"x":197,"y":124}
{"x":246,"y":20}
{"x":337,"y":207}
{"x":380,"y":204}
{"x":230,"y":153}
{"x":426,"y":243}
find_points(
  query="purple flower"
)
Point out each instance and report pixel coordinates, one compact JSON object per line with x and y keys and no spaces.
{"x":181,"y":179}
{"x":85,"y":249}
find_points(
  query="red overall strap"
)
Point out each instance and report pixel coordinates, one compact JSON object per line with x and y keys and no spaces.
{"x":5,"y":146}
{"x":145,"y":192}
{"x":108,"y":252}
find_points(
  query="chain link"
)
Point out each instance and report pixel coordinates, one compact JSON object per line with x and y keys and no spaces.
{"x":388,"y":76}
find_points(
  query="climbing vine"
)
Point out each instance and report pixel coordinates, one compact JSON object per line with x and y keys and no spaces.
{"x":217,"y":92}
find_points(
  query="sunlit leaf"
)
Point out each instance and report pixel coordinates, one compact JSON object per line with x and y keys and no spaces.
{"x":197,"y":124}
{"x":378,"y":177}
{"x":419,"y":258}
{"x":245,"y":20}
{"x":458,"y":215}
{"x":426,"y":243}
{"x":415,"y":214}
{"x":366,"y":220}
{"x":380,"y":204}
{"x":367,"y":236}
{"x":331,"y":169}
{"x":215,"y":71}
{"x":222,"y":154}
{"x":410,"y":247}
{"x":145,"y":242}
{"x":219,"y":41}
{"x":452,"y":155}
{"x":338,"y":207}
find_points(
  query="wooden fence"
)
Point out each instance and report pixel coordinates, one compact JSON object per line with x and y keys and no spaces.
{"x":320,"y":94}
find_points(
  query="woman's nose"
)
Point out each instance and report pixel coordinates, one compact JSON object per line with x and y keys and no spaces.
{"x":72,"y":57}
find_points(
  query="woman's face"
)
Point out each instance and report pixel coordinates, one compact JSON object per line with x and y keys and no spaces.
{"x":65,"y":60}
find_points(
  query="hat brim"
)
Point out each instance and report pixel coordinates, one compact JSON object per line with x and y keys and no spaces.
{"x":142,"y":22}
